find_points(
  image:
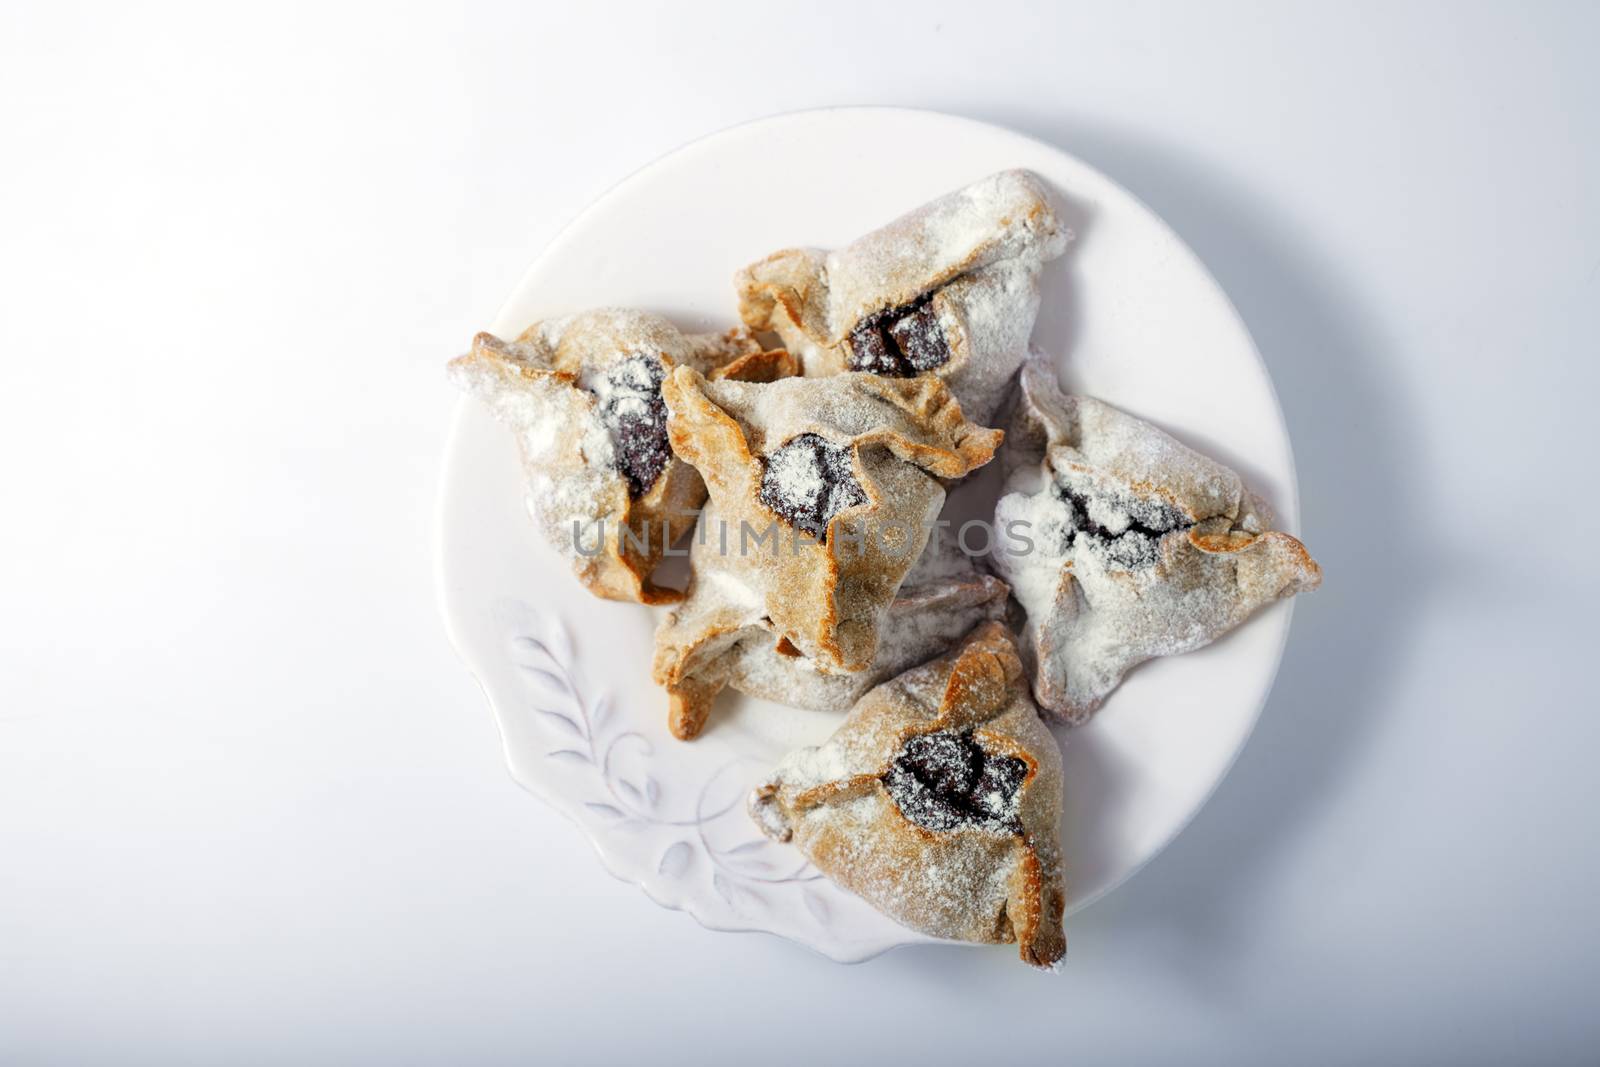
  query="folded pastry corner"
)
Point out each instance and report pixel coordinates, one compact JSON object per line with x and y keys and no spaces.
{"x":943,"y":597}
{"x":1138,"y":546}
{"x":950,"y":289}
{"x":822,"y":495}
{"x":583,"y":396}
{"x":938,"y":801}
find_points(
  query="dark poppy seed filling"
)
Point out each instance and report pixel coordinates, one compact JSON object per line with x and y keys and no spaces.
{"x":945,"y":780}
{"x":635,"y":416}
{"x":900,"y":342}
{"x":1136,"y":545}
{"x":808,"y":481}
{"x":873,"y":352}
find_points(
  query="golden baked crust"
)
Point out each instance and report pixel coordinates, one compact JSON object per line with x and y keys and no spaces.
{"x":973,"y":255}
{"x":993,"y":876}
{"x":542,"y":387}
{"x":822,"y":598}
{"x":1142,"y":547}
{"x":942,"y":598}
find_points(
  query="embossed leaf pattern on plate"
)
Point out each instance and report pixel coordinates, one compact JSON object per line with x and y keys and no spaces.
{"x":682,"y":805}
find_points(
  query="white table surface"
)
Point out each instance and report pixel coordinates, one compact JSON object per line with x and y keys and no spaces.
{"x":253,"y":810}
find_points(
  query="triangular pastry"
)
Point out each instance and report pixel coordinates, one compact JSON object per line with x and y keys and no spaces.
{"x":583,"y":396}
{"x":942,"y":598}
{"x":938,"y":801}
{"x":822,"y":495}
{"x":1141,"y":547}
{"x":950,"y":290}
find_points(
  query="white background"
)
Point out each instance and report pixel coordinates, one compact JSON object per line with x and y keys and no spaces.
{"x":253,"y":810}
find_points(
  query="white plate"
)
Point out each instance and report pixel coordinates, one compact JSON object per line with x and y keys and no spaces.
{"x":1136,"y":320}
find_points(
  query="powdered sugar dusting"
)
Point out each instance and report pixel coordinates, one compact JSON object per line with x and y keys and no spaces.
{"x":628,"y":395}
{"x":944,"y":780}
{"x":997,"y":217}
{"x":566,"y":449}
{"x":950,"y":289}
{"x":809,"y":480}
{"x":1119,"y":574}
{"x":942,"y":598}
{"x":921,"y":818}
